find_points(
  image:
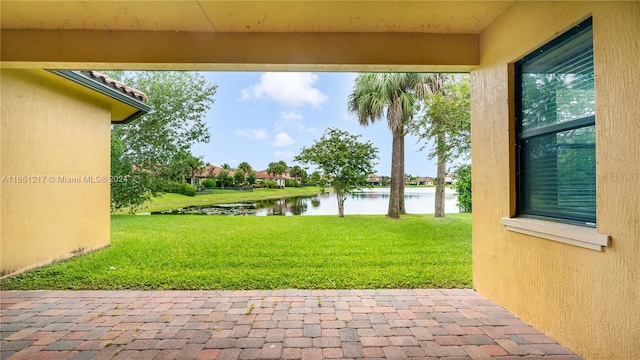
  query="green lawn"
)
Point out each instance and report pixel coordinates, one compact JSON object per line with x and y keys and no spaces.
{"x":172,"y":201}
{"x":308,"y":252}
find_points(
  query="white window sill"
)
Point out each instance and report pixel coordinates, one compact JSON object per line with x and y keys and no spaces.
{"x":569,"y":234}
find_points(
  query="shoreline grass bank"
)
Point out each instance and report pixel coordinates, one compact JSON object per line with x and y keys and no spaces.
{"x":170,"y":201}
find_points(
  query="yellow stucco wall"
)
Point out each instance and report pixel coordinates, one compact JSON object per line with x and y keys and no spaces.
{"x":49,"y":130}
{"x":585,"y":299}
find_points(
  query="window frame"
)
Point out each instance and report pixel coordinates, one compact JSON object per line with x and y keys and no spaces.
{"x":522,"y":135}
{"x":555,"y":229}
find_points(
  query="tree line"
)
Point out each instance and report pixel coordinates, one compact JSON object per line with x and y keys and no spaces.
{"x":155,"y":149}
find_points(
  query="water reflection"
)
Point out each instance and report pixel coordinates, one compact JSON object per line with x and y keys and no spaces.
{"x":366,"y":202}
{"x":370,"y":201}
{"x":287,"y":206}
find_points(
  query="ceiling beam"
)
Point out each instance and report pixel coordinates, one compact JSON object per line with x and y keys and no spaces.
{"x":137,"y":50}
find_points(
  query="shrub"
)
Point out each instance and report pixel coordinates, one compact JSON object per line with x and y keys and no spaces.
{"x":267,"y":184}
{"x":188,"y":190}
{"x":291,"y":183}
{"x":180,"y":188}
{"x":224,"y":179}
{"x":251,"y":178}
{"x":209,"y":183}
{"x":462,"y":186}
{"x":238,"y":177}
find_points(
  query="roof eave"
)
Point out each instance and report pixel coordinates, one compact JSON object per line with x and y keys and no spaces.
{"x":81,"y":79}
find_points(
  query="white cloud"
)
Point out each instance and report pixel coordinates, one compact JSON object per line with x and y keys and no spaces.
{"x":283,"y":139}
{"x":290,"y":115}
{"x":301,"y":128}
{"x":253,"y":134}
{"x":288,"y":88}
{"x":283,"y":155}
{"x":292,"y":120}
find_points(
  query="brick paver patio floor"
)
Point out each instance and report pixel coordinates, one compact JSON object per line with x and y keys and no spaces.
{"x":278,"y":324}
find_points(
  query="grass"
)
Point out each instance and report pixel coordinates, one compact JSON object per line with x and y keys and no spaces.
{"x":307,"y":252}
{"x":172,"y":201}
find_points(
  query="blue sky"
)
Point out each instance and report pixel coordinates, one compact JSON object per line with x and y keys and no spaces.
{"x":264,"y":117}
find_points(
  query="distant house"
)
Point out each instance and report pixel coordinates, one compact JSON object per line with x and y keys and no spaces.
{"x":375,"y":180}
{"x":426,"y":180}
{"x":212,"y":171}
{"x":209,"y":172}
{"x":279,"y":179}
{"x":449,"y":179}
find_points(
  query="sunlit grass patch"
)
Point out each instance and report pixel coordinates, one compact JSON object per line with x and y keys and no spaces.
{"x":307,"y":252}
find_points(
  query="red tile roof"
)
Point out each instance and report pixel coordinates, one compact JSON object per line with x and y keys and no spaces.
{"x":115,"y":84}
{"x":213,"y":171}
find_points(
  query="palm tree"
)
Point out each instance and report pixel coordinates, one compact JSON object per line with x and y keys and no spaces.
{"x":272,"y":168}
{"x":244,"y":166}
{"x":297,"y":173}
{"x":277,"y":168}
{"x":246,"y":169}
{"x":194,"y":166}
{"x":393,"y":94}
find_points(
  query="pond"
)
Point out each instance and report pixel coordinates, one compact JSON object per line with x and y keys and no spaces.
{"x":366,"y":202}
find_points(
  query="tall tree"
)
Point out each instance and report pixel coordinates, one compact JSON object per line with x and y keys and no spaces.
{"x":181,"y":165}
{"x":395,"y":95}
{"x":251,"y":178}
{"x":447,"y":122}
{"x":246,"y":168}
{"x":344,"y":161}
{"x":132,"y":187}
{"x":195,"y":165}
{"x":239,"y":177}
{"x":298,"y":173}
{"x":277,"y":169}
{"x":224,"y":179}
{"x":282,"y":167}
{"x":179,"y":102}
{"x":176,"y":168}
{"x":245,"y":171}
{"x":315,"y":178}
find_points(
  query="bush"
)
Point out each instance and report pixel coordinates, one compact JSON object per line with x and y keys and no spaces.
{"x":188,"y":190}
{"x":224,"y":179}
{"x":462,"y":186}
{"x":209,"y":183}
{"x":251,"y":178}
{"x":267,"y":184}
{"x":291,"y":183}
{"x":180,"y":188}
{"x":238,"y":177}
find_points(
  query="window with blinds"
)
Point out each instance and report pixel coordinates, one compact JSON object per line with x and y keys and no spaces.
{"x":555,"y":124}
